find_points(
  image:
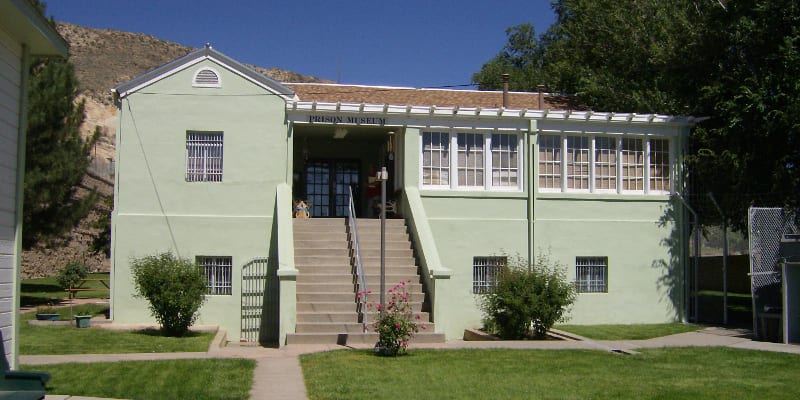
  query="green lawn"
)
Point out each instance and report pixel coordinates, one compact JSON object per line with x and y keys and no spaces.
{"x":44,"y":291}
{"x":628,"y":332}
{"x":71,"y":340}
{"x":676,"y":373}
{"x":218,"y":379}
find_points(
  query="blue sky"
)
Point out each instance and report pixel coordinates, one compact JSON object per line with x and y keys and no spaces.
{"x":400,"y":43}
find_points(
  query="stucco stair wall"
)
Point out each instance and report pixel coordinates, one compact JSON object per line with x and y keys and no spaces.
{"x":327,"y":288}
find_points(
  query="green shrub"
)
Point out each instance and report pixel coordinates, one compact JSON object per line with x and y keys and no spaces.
{"x":72,"y":274}
{"x":174,"y":287}
{"x":525,"y":301}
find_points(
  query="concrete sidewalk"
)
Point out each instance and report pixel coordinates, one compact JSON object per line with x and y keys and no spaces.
{"x":278,"y":373}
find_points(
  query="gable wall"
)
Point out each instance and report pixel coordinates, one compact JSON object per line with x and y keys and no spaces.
{"x":155,"y":208}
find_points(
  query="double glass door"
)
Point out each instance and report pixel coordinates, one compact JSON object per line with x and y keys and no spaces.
{"x":326,"y":183}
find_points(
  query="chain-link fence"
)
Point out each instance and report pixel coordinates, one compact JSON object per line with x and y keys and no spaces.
{"x":766,"y":228}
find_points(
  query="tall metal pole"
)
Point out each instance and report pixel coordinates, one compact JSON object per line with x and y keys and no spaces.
{"x":724,"y":260}
{"x":384,"y":176}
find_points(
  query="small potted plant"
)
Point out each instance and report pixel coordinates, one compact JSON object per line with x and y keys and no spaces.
{"x":47,"y":314}
{"x":83,"y":321}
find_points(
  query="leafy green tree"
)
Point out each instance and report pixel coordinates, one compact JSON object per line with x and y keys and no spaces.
{"x":56,"y":156}
{"x":734,"y":63}
{"x":174,"y":287}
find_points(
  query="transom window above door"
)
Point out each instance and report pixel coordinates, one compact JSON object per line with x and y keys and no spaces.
{"x":471,"y":161}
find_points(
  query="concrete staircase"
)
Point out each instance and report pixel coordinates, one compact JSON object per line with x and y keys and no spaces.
{"x":326,"y":288}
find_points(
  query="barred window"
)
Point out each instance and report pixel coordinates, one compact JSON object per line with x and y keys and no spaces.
{"x":203,"y":157}
{"x":659,"y":165}
{"x":578,"y":162}
{"x":632,"y":155}
{"x":550,"y":161}
{"x":436,"y":158}
{"x":470,"y":159}
{"x":505,"y":160}
{"x":485,"y":271}
{"x":219,"y":273}
{"x":605,"y":163}
{"x":591,"y":274}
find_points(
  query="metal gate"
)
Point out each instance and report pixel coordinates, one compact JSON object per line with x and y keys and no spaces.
{"x":256,"y":301}
{"x":766,"y":228}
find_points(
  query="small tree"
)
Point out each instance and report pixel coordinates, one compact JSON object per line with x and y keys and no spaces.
{"x":174,"y":287}
{"x":527,"y":301}
{"x":71,"y":275}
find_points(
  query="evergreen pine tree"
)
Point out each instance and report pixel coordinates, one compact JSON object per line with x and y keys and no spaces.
{"x":56,"y":156}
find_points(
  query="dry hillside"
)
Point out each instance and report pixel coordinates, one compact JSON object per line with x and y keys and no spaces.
{"x":104,"y":58}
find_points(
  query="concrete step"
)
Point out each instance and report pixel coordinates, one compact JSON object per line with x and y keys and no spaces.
{"x":311,"y":243}
{"x":319,"y":221}
{"x":372,"y":243}
{"x":390,"y":252}
{"x":374,"y":279}
{"x":307,"y":278}
{"x":341,"y":252}
{"x":329,"y":327}
{"x":320,"y":317}
{"x":394,"y":261}
{"x":391,"y":270}
{"x":377,"y":222}
{"x":412,"y":297}
{"x":347,"y":287}
{"x":369,"y":338}
{"x":375,"y":237}
{"x":326,"y":306}
{"x":325,"y":269}
{"x":321,"y":260}
{"x":424,"y":317}
{"x":321,"y":235}
{"x":326,"y":297}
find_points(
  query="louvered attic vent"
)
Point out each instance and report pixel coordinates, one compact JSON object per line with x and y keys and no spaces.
{"x":206,"y":77}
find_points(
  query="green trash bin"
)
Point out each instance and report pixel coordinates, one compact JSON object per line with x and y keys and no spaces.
{"x":83,"y":321}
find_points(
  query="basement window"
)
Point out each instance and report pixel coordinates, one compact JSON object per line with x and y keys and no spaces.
{"x":591,"y":274}
{"x":485,"y":271}
{"x":206,"y":77}
{"x":218,"y":271}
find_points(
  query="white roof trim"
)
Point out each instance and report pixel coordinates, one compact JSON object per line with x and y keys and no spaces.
{"x":486,"y":113}
{"x":193,"y":62}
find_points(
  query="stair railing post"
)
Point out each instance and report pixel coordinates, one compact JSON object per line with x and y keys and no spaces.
{"x":383,"y":175}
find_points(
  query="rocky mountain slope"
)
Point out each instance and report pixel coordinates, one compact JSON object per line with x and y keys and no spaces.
{"x":104,"y":58}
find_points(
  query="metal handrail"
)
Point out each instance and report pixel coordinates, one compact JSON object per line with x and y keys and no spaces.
{"x":355,"y":244}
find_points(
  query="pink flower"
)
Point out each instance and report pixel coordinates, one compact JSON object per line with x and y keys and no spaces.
{"x":397,"y":326}
{"x":416,"y":316}
{"x":380,"y":307}
{"x":423,"y":326}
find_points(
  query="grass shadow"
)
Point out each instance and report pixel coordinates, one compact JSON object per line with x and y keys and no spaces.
{"x":159,"y":333}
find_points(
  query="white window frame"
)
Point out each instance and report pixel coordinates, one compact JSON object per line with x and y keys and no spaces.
{"x":668,"y":165}
{"x":571,"y":163}
{"x":613,"y":176}
{"x":484,"y":272}
{"x":218,"y":271}
{"x":448,"y":141}
{"x":202,"y":164}
{"x":200,"y":70}
{"x":587,"y":269}
{"x":556,"y":163}
{"x":488,"y":168}
{"x":620,"y":178}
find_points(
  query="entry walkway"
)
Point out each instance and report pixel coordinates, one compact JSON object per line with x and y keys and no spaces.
{"x":278,"y":373}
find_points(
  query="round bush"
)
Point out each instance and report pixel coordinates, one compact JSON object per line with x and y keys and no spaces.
{"x":174,"y":287}
{"x":527,"y":301}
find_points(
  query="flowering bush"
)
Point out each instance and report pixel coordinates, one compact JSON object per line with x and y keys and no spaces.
{"x":396,"y":324}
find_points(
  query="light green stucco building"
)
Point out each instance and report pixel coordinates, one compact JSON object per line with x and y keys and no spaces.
{"x":211,"y":156}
